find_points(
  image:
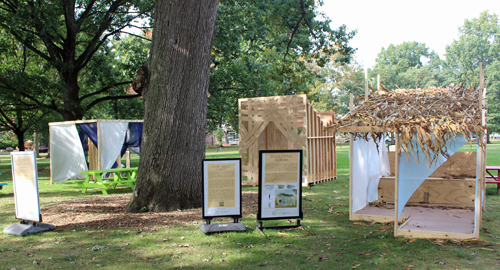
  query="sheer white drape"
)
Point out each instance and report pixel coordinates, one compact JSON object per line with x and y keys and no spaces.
{"x":412,"y":173}
{"x":66,"y":153}
{"x":112,"y":136}
{"x":368,"y":165}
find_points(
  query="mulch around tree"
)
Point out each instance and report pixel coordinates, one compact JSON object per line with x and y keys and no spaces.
{"x":108,"y":212}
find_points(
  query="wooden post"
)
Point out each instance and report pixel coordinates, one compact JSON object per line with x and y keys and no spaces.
{"x":366,"y":84}
{"x":378,"y":82}
{"x":127,"y":159}
{"x":351,"y":106}
{"x":480,"y":188}
{"x":397,"y":155}
{"x":36,"y":144}
{"x":99,"y":145}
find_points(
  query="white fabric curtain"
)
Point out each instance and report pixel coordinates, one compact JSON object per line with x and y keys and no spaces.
{"x":412,"y":173}
{"x":66,"y":153}
{"x":111,"y":136}
{"x":368,"y":165}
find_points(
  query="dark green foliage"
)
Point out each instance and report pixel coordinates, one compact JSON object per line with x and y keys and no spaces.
{"x":266,"y":48}
{"x":479,"y":41}
{"x":408,"y":65}
{"x":71,"y":38}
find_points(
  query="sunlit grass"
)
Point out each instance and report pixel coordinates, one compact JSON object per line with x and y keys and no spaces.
{"x":330,"y":242}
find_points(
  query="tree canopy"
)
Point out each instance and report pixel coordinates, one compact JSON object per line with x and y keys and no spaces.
{"x":266,"y":48}
{"x":478,"y":41}
{"x":408,"y":65}
{"x":71,"y":38}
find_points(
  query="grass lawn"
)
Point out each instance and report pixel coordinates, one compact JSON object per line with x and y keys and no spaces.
{"x":330,"y":242}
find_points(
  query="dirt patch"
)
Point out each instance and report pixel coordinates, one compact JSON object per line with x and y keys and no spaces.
{"x":108,"y":212}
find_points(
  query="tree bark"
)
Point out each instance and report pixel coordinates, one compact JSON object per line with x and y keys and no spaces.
{"x":169,"y":175}
{"x":19,"y":130}
{"x":35,"y":144}
{"x":20,"y":140}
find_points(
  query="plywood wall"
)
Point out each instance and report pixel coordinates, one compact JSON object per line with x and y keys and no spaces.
{"x":286,"y":122}
{"x":459,"y":165}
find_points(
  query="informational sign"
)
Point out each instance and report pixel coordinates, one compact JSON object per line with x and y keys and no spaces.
{"x":280,"y":184}
{"x":25,"y":180}
{"x":221,"y":188}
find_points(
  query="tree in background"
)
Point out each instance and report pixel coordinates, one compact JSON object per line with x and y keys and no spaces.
{"x":408,"y":65}
{"x":20,"y":71}
{"x":479,"y":41}
{"x":266,"y":48}
{"x":173,"y":142}
{"x":337,"y":82}
{"x":492,"y":74}
{"x":219,"y":135}
{"x":126,"y":55}
{"x":71,"y":36}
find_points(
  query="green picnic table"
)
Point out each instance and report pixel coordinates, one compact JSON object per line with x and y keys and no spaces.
{"x":108,"y":182}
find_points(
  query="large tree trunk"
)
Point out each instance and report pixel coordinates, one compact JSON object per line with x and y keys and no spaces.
{"x":71,"y":96}
{"x":20,"y":140}
{"x":169,"y":175}
{"x":19,"y":130}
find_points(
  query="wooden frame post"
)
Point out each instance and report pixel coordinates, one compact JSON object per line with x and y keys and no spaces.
{"x":351,"y":106}
{"x":379,"y":84}
{"x":397,"y":155}
{"x":366,"y":84}
{"x":481,"y":184}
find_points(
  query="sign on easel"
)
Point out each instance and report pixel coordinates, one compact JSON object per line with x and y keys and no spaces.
{"x":280,"y":186}
{"x":222,"y":194}
{"x":26,"y":195}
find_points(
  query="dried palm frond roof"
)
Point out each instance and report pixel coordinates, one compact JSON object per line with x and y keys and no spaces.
{"x":435,"y":115}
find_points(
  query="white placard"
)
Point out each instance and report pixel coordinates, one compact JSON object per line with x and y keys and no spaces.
{"x":280,"y":189}
{"x":25,"y":180}
{"x":221,"y":188}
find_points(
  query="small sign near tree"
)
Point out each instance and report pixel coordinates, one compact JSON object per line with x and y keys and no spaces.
{"x":26,"y":195}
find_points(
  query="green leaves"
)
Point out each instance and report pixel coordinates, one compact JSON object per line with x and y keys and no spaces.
{"x":408,"y":65}
{"x":479,"y":41}
{"x":267,"y":48}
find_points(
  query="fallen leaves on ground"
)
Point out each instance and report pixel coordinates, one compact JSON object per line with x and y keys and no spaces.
{"x":108,"y":212}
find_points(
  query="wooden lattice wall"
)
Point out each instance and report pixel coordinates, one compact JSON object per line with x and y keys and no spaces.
{"x":286,"y":122}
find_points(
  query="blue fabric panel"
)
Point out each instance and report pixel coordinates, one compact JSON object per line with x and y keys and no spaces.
{"x":91,"y":130}
{"x":133,"y":138}
{"x":83,"y":139}
{"x":412,"y":173}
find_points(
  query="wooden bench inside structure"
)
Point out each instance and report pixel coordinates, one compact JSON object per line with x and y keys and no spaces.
{"x":99,"y":179}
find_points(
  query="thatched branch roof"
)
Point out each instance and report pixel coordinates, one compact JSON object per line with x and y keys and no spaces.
{"x":439,"y":112}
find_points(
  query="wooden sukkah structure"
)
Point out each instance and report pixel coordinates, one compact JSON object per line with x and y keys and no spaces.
{"x":431,"y":190}
{"x":286,"y":122}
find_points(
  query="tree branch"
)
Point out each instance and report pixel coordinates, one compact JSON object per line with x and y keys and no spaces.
{"x":303,"y":13}
{"x":135,"y":35}
{"x":99,"y":100}
{"x":103,"y":90}
{"x":96,"y":41}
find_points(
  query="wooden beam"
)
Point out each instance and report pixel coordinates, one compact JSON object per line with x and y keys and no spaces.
{"x":351,"y":106}
{"x":481,"y":167}
{"x":396,"y":185}
{"x":378,"y":82}
{"x":433,"y":235}
{"x":364,"y":129}
{"x":366,"y":84}
{"x":95,"y":121}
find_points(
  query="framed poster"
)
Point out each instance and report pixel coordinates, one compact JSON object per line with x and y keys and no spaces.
{"x":25,"y":181}
{"x":222,"y":188}
{"x":280,"y":184}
